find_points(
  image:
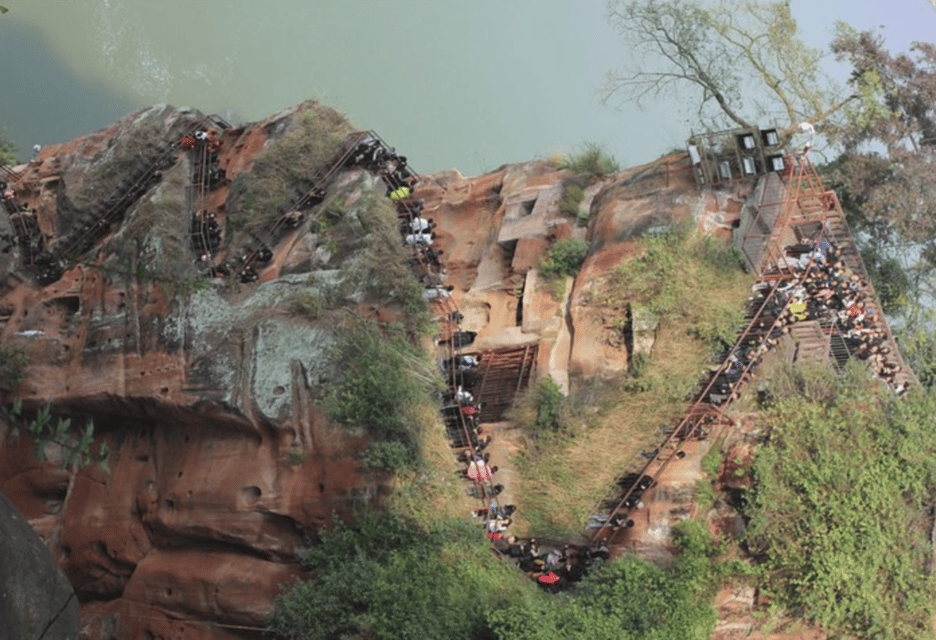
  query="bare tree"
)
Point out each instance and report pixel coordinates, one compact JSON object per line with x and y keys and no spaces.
{"x":746,"y":59}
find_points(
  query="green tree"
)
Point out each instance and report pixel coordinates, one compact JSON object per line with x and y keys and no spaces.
{"x":886,"y":172}
{"x":729,"y":53}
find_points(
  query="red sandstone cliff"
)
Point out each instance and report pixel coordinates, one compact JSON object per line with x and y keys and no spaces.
{"x":222,"y":464}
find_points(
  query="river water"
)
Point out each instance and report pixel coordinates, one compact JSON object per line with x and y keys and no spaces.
{"x":453,"y":84}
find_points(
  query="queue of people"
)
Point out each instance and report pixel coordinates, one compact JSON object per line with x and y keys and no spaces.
{"x":553,"y":567}
{"x":818,"y":285}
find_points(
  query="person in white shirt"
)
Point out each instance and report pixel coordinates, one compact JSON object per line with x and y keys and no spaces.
{"x":437,"y":292}
{"x":422,"y":225}
{"x":420,"y":238}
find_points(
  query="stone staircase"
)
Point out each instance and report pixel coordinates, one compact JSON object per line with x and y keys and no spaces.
{"x":812,"y":344}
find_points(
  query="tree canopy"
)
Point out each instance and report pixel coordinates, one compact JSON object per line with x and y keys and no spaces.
{"x":886,"y":170}
{"x":731,"y":54}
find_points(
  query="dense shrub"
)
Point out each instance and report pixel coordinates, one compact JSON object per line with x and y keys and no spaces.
{"x":382,"y":270}
{"x":391,"y":456}
{"x":385,"y":579}
{"x":569,"y":204}
{"x":380,"y":386}
{"x":12,"y":367}
{"x":840,"y":512}
{"x":563,"y":258}
{"x":628,"y":599}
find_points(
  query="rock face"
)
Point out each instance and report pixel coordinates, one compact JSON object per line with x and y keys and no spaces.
{"x":36,"y":599}
{"x":222,"y":462}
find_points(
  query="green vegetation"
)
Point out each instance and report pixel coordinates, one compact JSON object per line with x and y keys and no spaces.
{"x":591,"y":160}
{"x":386,"y":579}
{"x":390,"y":456}
{"x":712,"y":460}
{"x":841,"y":511}
{"x":697,"y":289}
{"x":563,"y":258}
{"x":589,"y":164}
{"x":545,"y":413}
{"x":676,"y":278}
{"x":283,"y":170}
{"x":382,"y":270}
{"x":76,"y":447}
{"x":131,"y":153}
{"x":384,"y":383}
{"x":153,"y":245}
{"x":627,"y":599}
{"x":8,"y":148}
{"x":572,"y":195}
{"x":12,"y":367}
{"x":918,"y":347}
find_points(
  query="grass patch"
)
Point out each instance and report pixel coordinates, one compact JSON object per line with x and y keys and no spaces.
{"x":592,"y":160}
{"x":698,"y":298}
{"x":840,"y":512}
{"x":133,"y":151}
{"x":283,"y":170}
{"x":687,"y":278}
{"x":712,"y":460}
{"x":381,"y":269}
{"x":571,"y":204}
{"x":154,"y":245}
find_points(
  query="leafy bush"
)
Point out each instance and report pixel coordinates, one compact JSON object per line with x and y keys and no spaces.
{"x":919,"y":350}
{"x":75,"y":447}
{"x":383,"y":380}
{"x":628,"y":599}
{"x":12,"y":367}
{"x":386,"y":579}
{"x":592,"y":160}
{"x":391,"y":456}
{"x":156,"y":239}
{"x":572,"y":196}
{"x":712,"y":460}
{"x":839,"y":513}
{"x":563,"y":258}
{"x":382,"y":269}
{"x":545,"y":413}
{"x":549,"y":403}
